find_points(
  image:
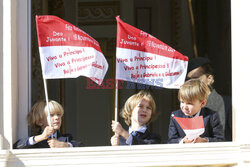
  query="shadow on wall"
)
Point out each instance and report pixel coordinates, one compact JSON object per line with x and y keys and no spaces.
{"x":6,"y":156}
{"x":11,"y":160}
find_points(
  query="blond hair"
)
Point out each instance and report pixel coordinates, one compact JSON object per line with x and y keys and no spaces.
{"x":193,"y":89}
{"x":134,"y":100}
{"x":39,"y":112}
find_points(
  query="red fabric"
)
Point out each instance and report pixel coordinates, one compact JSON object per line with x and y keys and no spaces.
{"x":61,"y":33}
{"x":130,"y":37}
{"x":190,"y":123}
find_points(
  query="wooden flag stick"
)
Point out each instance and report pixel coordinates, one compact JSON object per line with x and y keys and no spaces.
{"x":116,"y":100}
{"x":47,"y":102}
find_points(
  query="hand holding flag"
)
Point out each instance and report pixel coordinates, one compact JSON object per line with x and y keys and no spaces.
{"x":193,"y":127}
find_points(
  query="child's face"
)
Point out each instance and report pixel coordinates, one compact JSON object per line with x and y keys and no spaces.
{"x":56,"y":120}
{"x":191,"y":108}
{"x":141,"y":114}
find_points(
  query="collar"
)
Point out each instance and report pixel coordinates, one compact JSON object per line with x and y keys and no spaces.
{"x":142,"y":129}
{"x":55,"y":135}
{"x":196,"y":115}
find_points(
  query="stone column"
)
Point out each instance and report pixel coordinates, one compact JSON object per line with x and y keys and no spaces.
{"x":9,"y":72}
{"x":240,"y":14}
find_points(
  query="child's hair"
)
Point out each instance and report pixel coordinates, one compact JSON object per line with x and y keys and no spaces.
{"x":39,"y":111}
{"x":193,"y":89}
{"x":135,"y":100}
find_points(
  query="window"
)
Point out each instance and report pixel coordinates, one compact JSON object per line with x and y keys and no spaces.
{"x":86,"y":106}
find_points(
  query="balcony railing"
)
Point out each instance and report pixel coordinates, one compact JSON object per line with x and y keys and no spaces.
{"x":210,"y":154}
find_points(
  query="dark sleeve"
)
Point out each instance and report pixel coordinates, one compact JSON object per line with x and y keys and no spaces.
{"x":217,"y":129}
{"x":141,"y":138}
{"x":21,"y":144}
{"x":228,"y":118}
{"x":173,"y":134}
{"x":150,"y":139}
{"x":73,"y":142}
{"x":76,"y":143}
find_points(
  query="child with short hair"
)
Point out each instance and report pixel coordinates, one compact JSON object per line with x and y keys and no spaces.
{"x":139,"y":110}
{"x":193,"y":96}
{"x":37,"y":119}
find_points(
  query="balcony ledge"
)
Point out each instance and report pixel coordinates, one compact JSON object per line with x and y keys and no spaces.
{"x":209,"y":154}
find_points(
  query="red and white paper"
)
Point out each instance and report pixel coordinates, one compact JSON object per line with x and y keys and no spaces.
{"x":68,"y":52}
{"x":193,"y":127}
{"x":142,"y":58}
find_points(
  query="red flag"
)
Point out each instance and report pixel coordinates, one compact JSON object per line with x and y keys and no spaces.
{"x":68,"y":52}
{"x":193,"y":127}
{"x":142,"y":58}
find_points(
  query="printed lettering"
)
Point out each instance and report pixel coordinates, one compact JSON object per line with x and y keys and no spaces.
{"x":51,"y":58}
{"x":128,"y":68}
{"x":119,"y":60}
{"x":60,"y":64}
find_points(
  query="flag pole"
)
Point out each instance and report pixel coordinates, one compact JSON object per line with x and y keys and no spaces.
{"x":47,"y":102}
{"x":116,"y":100}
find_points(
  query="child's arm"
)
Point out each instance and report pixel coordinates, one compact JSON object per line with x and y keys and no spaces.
{"x":119,"y":130}
{"x":48,"y":131}
{"x":29,"y":142}
{"x":173,"y":133}
{"x":217,"y":129}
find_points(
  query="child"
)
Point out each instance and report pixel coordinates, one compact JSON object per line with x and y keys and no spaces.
{"x":201,"y":68}
{"x":139,"y":111}
{"x":193,"y":96}
{"x":37,"y":119}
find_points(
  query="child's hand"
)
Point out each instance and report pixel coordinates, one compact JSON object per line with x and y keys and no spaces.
{"x":200,"y":140}
{"x":117,"y":128}
{"x":48,"y":131}
{"x":54,"y":143}
{"x":187,"y":141}
{"x":115,"y":140}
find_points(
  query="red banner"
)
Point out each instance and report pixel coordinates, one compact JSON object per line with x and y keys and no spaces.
{"x":68,"y":52}
{"x":142,"y":58}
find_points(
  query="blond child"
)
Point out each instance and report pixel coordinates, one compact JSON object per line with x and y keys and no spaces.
{"x":201,"y":68}
{"x":48,"y":136}
{"x":139,"y":110}
{"x":193,"y":96}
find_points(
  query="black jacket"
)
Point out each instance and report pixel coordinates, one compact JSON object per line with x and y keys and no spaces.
{"x":23,"y":143}
{"x":213,"y":127}
{"x":136,"y":138}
